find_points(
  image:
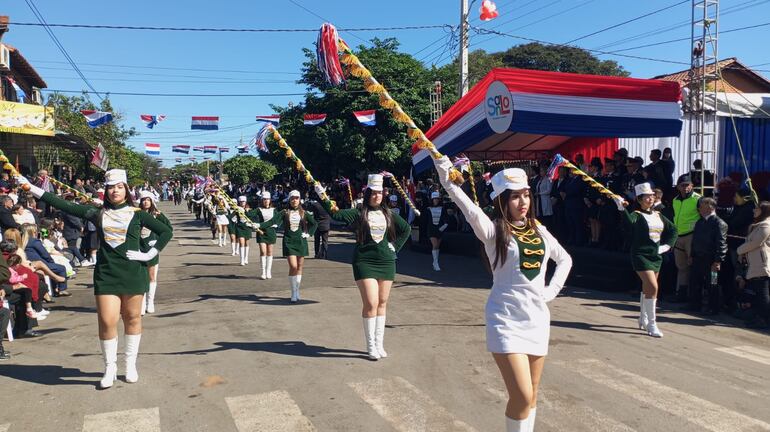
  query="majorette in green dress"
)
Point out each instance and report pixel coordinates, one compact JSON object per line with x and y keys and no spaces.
{"x":649,"y":232}
{"x":374,"y":258}
{"x":293,"y":242}
{"x":268,"y":235}
{"x":242,"y":229}
{"x":120,"y":229}
{"x":148,"y":236}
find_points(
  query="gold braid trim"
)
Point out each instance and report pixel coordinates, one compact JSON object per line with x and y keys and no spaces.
{"x":527,"y":265}
{"x":529,"y":252}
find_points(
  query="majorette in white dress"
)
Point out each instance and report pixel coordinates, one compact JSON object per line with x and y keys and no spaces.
{"x":517,"y":317}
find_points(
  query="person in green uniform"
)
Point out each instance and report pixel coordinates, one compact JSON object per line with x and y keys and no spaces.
{"x":242,"y":230}
{"x":380,"y":234}
{"x":652,"y":235}
{"x":221,"y":210}
{"x":297,"y":225}
{"x":149,"y":239}
{"x":120,"y":274}
{"x":266,"y":237}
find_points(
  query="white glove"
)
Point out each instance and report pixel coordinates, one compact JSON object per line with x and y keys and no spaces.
{"x":142,"y":256}
{"x":36,"y":191}
{"x":443,"y":166}
{"x":234,"y":219}
{"x":663,"y":249}
{"x":274,"y":226}
{"x":442,"y":228}
{"x":618,"y":202}
{"x":305,"y":235}
{"x":319,"y":190}
{"x":152,"y":243}
{"x":391,"y":247}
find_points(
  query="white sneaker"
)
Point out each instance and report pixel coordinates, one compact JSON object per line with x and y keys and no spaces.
{"x":436,"y":267}
{"x":86,"y":263}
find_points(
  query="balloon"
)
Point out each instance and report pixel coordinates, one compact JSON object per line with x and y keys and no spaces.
{"x":488,"y":10}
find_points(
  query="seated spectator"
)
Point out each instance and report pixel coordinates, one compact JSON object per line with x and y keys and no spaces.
{"x":16,"y":239}
{"x":35,"y":251}
{"x":46,"y":230}
{"x":19,"y":281}
{"x":21,"y":215}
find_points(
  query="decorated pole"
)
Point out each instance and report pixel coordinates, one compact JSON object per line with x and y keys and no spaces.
{"x":234,"y":205}
{"x":71,"y":189}
{"x":289,"y":153}
{"x":401,"y":191}
{"x":328,"y":48}
{"x":346,"y":182}
{"x":465,"y":162}
{"x":559,"y":161}
{"x":9,"y":166}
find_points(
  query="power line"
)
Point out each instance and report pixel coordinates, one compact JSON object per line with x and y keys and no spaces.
{"x":518,"y":17}
{"x":721,"y":32}
{"x":59,"y":45}
{"x":229,"y":30}
{"x":628,"y":21}
{"x":177,"y":68}
{"x":486,"y":31}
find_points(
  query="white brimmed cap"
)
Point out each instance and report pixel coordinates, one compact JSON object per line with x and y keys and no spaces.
{"x":393,"y":198}
{"x":375,"y":182}
{"x":242,"y":198}
{"x":434,"y":195}
{"x":509,"y":179}
{"x":146,"y":194}
{"x":295,"y":193}
{"x":643,"y":189}
{"x":115,"y":176}
{"x":266,"y":195}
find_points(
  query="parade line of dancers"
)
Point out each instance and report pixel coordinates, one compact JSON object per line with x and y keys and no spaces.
{"x":516,"y":249}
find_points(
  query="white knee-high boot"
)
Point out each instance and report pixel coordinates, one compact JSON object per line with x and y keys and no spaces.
{"x":293,"y":285}
{"x":263,"y":262}
{"x":144,"y":304}
{"x":435,"y":253}
{"x":652,"y":327}
{"x":242,"y":251}
{"x":270,"y":267}
{"x":246,"y":255}
{"x":531,"y":419}
{"x":151,"y":297}
{"x":132,"y":352}
{"x":369,"y":334}
{"x":234,"y":247}
{"x":110,"y":356}
{"x":298,"y":283}
{"x":379,"y":335}
{"x":512,"y":425}
{"x":642,"y":313}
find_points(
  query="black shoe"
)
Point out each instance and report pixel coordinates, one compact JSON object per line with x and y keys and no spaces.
{"x":4,"y":355}
{"x":31,"y":333}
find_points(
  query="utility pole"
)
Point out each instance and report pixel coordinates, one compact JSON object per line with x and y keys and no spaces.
{"x":463,"y":47}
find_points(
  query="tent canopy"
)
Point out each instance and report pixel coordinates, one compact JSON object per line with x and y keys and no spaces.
{"x":527,"y":113}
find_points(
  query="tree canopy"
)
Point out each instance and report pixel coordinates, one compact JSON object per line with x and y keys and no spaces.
{"x":243,"y":169}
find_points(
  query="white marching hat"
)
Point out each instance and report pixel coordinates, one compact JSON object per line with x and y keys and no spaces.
{"x":295,"y":193}
{"x":643,"y":189}
{"x":509,"y":179}
{"x":375,"y":182}
{"x":266,"y":195}
{"x":393,"y":198}
{"x":115,"y":176}
{"x":146,"y":194}
{"x":242,"y":198}
{"x":434,"y":195}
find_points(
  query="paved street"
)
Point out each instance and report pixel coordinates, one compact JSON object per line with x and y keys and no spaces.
{"x":227,"y":352}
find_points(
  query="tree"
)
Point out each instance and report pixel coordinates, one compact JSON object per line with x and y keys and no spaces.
{"x":559,"y":59}
{"x":243,"y":169}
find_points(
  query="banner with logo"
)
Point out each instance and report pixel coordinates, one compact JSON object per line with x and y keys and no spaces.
{"x":101,"y":159}
{"x":26,"y":119}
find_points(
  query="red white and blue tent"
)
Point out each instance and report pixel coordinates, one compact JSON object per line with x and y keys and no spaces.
{"x":526,"y":114}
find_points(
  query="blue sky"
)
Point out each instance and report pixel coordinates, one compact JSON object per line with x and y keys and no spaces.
{"x":185,"y":62}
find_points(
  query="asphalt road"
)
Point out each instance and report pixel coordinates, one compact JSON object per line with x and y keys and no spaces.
{"x":227,"y":352}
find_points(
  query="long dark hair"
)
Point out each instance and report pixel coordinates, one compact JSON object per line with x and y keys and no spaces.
{"x":503,"y":229}
{"x":152,"y":210}
{"x":302,"y":221}
{"x":764,"y":212}
{"x":362,"y":230}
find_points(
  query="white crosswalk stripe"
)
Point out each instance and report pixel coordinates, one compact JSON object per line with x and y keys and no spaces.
{"x":135,"y":420}
{"x":405,"y":407}
{"x":701,"y":412}
{"x":275,"y":412}
{"x":749,"y":353}
{"x":5,"y":427}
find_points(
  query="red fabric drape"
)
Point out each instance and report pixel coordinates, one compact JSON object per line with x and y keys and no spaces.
{"x":589,"y":148}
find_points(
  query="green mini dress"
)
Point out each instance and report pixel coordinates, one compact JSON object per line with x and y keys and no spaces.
{"x":294,"y":244}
